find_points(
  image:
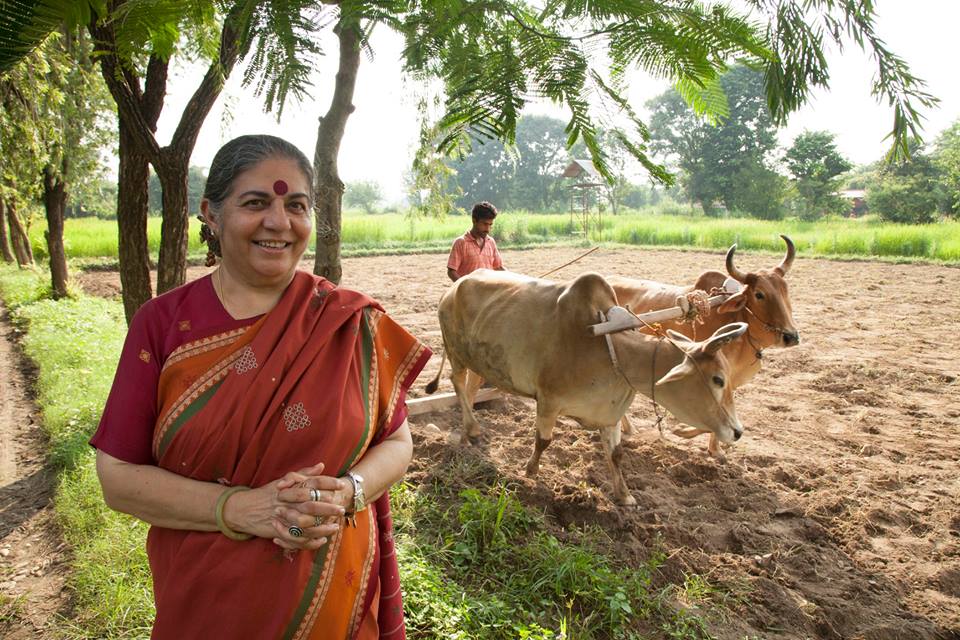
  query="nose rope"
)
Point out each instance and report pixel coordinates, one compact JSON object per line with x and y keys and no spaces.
{"x":766,"y":325}
{"x":757,"y":351}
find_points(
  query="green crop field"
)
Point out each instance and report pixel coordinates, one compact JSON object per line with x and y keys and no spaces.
{"x":394,"y":232}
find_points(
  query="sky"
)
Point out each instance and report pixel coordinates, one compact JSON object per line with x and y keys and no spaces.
{"x":381,"y":135}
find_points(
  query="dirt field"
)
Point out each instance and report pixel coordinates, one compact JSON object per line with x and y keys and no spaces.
{"x":835,"y":516}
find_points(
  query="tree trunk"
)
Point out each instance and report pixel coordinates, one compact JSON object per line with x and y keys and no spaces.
{"x":55,"y":201}
{"x":4,"y":243}
{"x":172,"y":266}
{"x":172,"y":162}
{"x":329,"y":187}
{"x":18,"y":237}
{"x":137,"y":113}
{"x":132,"y":208}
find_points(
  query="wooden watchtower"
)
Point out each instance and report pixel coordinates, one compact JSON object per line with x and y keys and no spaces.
{"x":586,"y":189}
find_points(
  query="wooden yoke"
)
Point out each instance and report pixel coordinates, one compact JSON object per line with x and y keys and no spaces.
{"x":620,"y":319}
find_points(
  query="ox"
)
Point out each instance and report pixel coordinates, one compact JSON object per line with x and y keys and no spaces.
{"x":530,"y":337}
{"x":763,"y":304}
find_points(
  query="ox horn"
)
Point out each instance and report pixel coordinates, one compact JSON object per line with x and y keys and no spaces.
{"x":735,"y":273}
{"x":787,"y":262}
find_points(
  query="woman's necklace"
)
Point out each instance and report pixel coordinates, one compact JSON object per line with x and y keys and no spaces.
{"x":223,"y":294}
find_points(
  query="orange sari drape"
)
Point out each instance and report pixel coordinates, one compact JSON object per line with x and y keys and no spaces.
{"x":318,"y":379}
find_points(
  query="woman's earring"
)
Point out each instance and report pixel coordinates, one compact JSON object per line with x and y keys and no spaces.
{"x":211,"y":258}
{"x":213,"y":243}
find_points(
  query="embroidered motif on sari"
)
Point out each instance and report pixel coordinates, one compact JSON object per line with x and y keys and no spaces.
{"x":322,"y":390}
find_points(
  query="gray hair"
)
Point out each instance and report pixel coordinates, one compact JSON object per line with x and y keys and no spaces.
{"x":243,"y":153}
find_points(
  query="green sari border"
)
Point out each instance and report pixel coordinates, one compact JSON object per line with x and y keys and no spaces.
{"x":366,"y":365}
{"x":191,"y":410}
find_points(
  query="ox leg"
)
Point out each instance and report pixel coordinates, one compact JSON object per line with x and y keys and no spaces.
{"x":471,"y":428}
{"x":546,"y":420}
{"x":610,"y":437}
{"x":473,"y":384}
{"x":625,"y":425}
{"x":714,"y":449}
{"x":689,"y":432}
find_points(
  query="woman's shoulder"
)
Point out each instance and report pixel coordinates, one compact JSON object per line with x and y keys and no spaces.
{"x":195,"y":292}
{"x":185,"y":311}
{"x":344,"y":296}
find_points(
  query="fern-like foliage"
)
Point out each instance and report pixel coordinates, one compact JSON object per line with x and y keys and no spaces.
{"x":494,"y":56}
{"x":25,"y":24}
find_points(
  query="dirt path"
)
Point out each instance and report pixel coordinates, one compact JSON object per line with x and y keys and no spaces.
{"x":836,"y":516}
{"x":32,"y":554}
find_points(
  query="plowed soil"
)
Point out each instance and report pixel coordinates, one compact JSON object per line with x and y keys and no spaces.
{"x":835,"y":516}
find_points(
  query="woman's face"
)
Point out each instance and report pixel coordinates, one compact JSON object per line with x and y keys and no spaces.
{"x":265,"y":222}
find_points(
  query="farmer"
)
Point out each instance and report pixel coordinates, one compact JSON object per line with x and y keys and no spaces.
{"x":475,"y":249}
{"x":256,"y":421}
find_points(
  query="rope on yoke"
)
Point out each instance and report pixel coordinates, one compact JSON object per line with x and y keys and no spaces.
{"x":658,"y":331}
{"x":697,"y":307}
{"x":653,"y":368}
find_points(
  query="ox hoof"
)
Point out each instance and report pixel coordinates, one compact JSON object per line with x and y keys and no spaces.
{"x":532,"y":470}
{"x":474,"y":440}
{"x":627,"y":501}
{"x":718,"y":456}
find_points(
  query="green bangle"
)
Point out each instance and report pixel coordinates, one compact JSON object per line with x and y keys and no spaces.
{"x":221,"y":502}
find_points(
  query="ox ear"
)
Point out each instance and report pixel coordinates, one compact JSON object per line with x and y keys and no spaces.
{"x":677,"y":336}
{"x":724,"y":335}
{"x":734,"y":303}
{"x":680,"y":371}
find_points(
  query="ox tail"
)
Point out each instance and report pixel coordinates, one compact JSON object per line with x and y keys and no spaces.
{"x":433,"y":384}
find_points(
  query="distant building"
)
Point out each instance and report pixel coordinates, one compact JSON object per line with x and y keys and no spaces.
{"x":857,"y":199}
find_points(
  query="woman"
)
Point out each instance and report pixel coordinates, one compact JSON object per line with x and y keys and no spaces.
{"x":255,"y":413}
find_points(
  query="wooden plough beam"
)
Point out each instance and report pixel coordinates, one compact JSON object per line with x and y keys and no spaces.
{"x":417,"y":406}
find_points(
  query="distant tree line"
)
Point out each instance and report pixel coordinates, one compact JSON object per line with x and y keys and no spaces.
{"x":731,"y":164}
{"x":734,"y":164}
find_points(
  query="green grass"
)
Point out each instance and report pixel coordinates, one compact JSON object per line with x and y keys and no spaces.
{"x":364,"y":234}
{"x":475,"y":563}
{"x":75,"y":344}
{"x":23,"y":286}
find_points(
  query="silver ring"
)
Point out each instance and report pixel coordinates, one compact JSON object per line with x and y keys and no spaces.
{"x":315,"y":495}
{"x":318,"y":520}
{"x":295,"y":531}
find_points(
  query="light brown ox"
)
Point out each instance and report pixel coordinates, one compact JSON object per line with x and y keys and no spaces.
{"x":763,"y":303}
{"x":530,"y":337}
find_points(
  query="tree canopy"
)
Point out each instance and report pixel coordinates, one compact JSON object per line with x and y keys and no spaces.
{"x":815,"y":164}
{"x":946,"y":155}
{"x":725,"y":160}
{"x":495,"y":56}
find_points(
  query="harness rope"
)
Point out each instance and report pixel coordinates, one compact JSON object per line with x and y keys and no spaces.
{"x":662,"y":335}
{"x":580,"y":257}
{"x":653,"y":372}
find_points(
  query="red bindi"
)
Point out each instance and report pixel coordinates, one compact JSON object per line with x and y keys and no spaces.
{"x":280,"y":187}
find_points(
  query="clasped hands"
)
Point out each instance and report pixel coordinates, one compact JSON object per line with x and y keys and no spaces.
{"x":306,"y":500}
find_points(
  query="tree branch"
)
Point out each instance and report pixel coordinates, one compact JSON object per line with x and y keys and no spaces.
{"x":206,"y":94}
{"x":125,"y":89}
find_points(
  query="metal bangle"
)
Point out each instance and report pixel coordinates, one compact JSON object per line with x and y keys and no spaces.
{"x":218,"y":514}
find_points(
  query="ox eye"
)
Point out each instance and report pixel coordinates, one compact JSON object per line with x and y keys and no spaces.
{"x":717,"y":380}
{"x":759,"y":295}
